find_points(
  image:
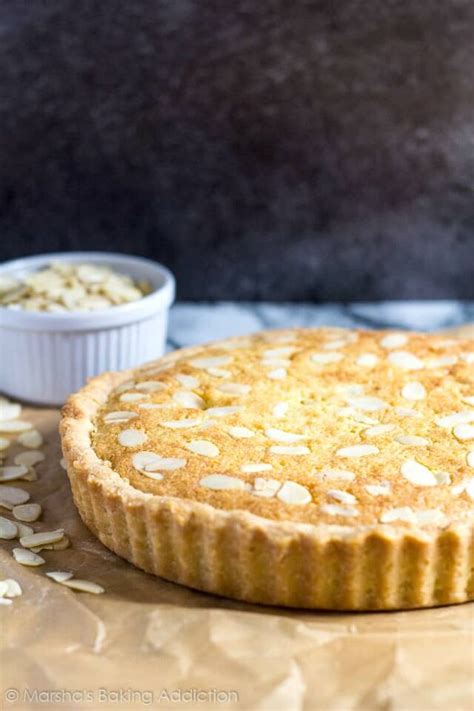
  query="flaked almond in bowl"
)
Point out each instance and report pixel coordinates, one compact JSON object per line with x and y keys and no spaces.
{"x":67,"y":317}
{"x":343,"y":483}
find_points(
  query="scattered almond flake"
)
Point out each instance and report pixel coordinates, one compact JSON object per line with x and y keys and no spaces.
{"x":296,"y":451}
{"x":357,"y":416}
{"x":338,"y":510}
{"x":13,"y":588}
{"x":371,"y":404}
{"x":280,"y":409}
{"x":464,"y":432}
{"x":131,"y":397}
{"x":326,"y":358}
{"x":25,"y":557}
{"x":218,"y":372}
{"x":431,"y":516}
{"x":203,"y":447}
{"x":9,"y":410}
{"x":241,"y":432}
{"x":417,"y":474}
{"x":123,"y":387}
{"x":468,"y":357}
{"x":394,"y":340}
{"x":152,"y":475}
{"x":414,"y":391}
{"x":281,"y":436}
{"x":27,"y":512}
{"x":150,"y":462}
{"x":4,"y":443}
{"x":42,"y":539}
{"x":10,"y":473}
{"x":342,"y":496}
{"x":5,"y":601}
{"x":83,"y":586}
{"x":276,"y":363}
{"x":13,"y":426}
{"x":265,"y":488}
{"x":212,"y":362}
{"x":442,"y":362}
{"x":222,"y":481}
{"x":59,"y":576}
{"x":131,"y":438}
{"x":466,"y":485}
{"x":293,"y":493}
{"x":30,"y":458}
{"x":233,"y":388}
{"x":118,"y":416}
{"x":367,"y":360}
{"x":187,"y":381}
{"x":11,"y":496}
{"x":468,"y":400}
{"x":277,"y":374}
{"x":350,"y":389}
{"x":357,"y":450}
{"x":23,"y":529}
{"x":63,"y":464}
{"x":31,"y":439}
{"x":405,"y":360}
{"x":378,"y":489}
{"x":378,"y":430}
{"x":181,"y":424}
{"x":272,"y":353}
{"x":150,"y":386}
{"x":470,"y":459}
{"x":413,"y":440}
{"x":457,"y":418}
{"x":254,"y":468}
{"x":404,"y":513}
{"x":406,"y":412}
{"x":340,"y":474}
{"x":189,"y":400}
{"x":223,"y":411}
{"x":3,"y":588}
{"x":8,"y":529}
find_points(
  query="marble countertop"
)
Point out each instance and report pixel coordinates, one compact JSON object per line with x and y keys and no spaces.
{"x":192,"y":323}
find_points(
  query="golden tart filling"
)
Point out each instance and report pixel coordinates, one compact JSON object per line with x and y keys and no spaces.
{"x":349,"y":430}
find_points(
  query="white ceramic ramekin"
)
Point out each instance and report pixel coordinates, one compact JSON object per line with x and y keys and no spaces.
{"x":46,"y":356}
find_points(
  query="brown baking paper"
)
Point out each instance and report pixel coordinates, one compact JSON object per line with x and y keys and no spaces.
{"x":147,"y":643}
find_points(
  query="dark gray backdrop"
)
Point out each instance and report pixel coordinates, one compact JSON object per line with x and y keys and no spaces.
{"x":272,"y":149}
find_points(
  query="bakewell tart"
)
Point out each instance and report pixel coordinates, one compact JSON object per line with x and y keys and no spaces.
{"x":320,"y":468}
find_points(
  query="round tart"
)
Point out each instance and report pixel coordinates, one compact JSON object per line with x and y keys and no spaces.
{"x":319,"y":468}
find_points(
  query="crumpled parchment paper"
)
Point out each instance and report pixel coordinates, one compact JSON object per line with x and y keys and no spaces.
{"x":147,"y":643}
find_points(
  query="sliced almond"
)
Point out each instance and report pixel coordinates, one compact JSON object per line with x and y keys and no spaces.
{"x":254,"y":468}
{"x":338,"y":510}
{"x":8,"y":529}
{"x":378,"y":430}
{"x":223,"y":411}
{"x":326,"y":358}
{"x":378,"y":489}
{"x":41,"y":539}
{"x":187,"y":381}
{"x":83,"y":586}
{"x":464,"y":432}
{"x":131,"y":438}
{"x":367,"y":360}
{"x":417,"y":474}
{"x":265,"y":488}
{"x":413,"y":440}
{"x":233,"y":388}
{"x":405,"y":360}
{"x":241,"y":432}
{"x":118,"y":416}
{"x":63,"y":464}
{"x":212,"y":362}
{"x":29,"y":458}
{"x":189,"y":400}
{"x":277,"y":374}
{"x":341,"y":474}
{"x":222,"y":482}
{"x":11,"y":496}
{"x":203,"y":447}
{"x":150,"y":462}
{"x":26,"y":557}
{"x":456,"y":418}
{"x":13,"y":588}
{"x":27,"y":512}
{"x":23,"y":529}
{"x":280,"y":409}
{"x":293,"y":493}
{"x":59,"y":576}
{"x":9,"y":410}
{"x":150,"y":386}
{"x":132,"y":397}
{"x":394,"y":340}
{"x":181,"y":424}
{"x":403,"y":513}
{"x":31,"y":439}
{"x":13,"y":426}
{"x":10,"y":473}
{"x":4,"y":443}
{"x":344,"y":497}
{"x":371,"y":404}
